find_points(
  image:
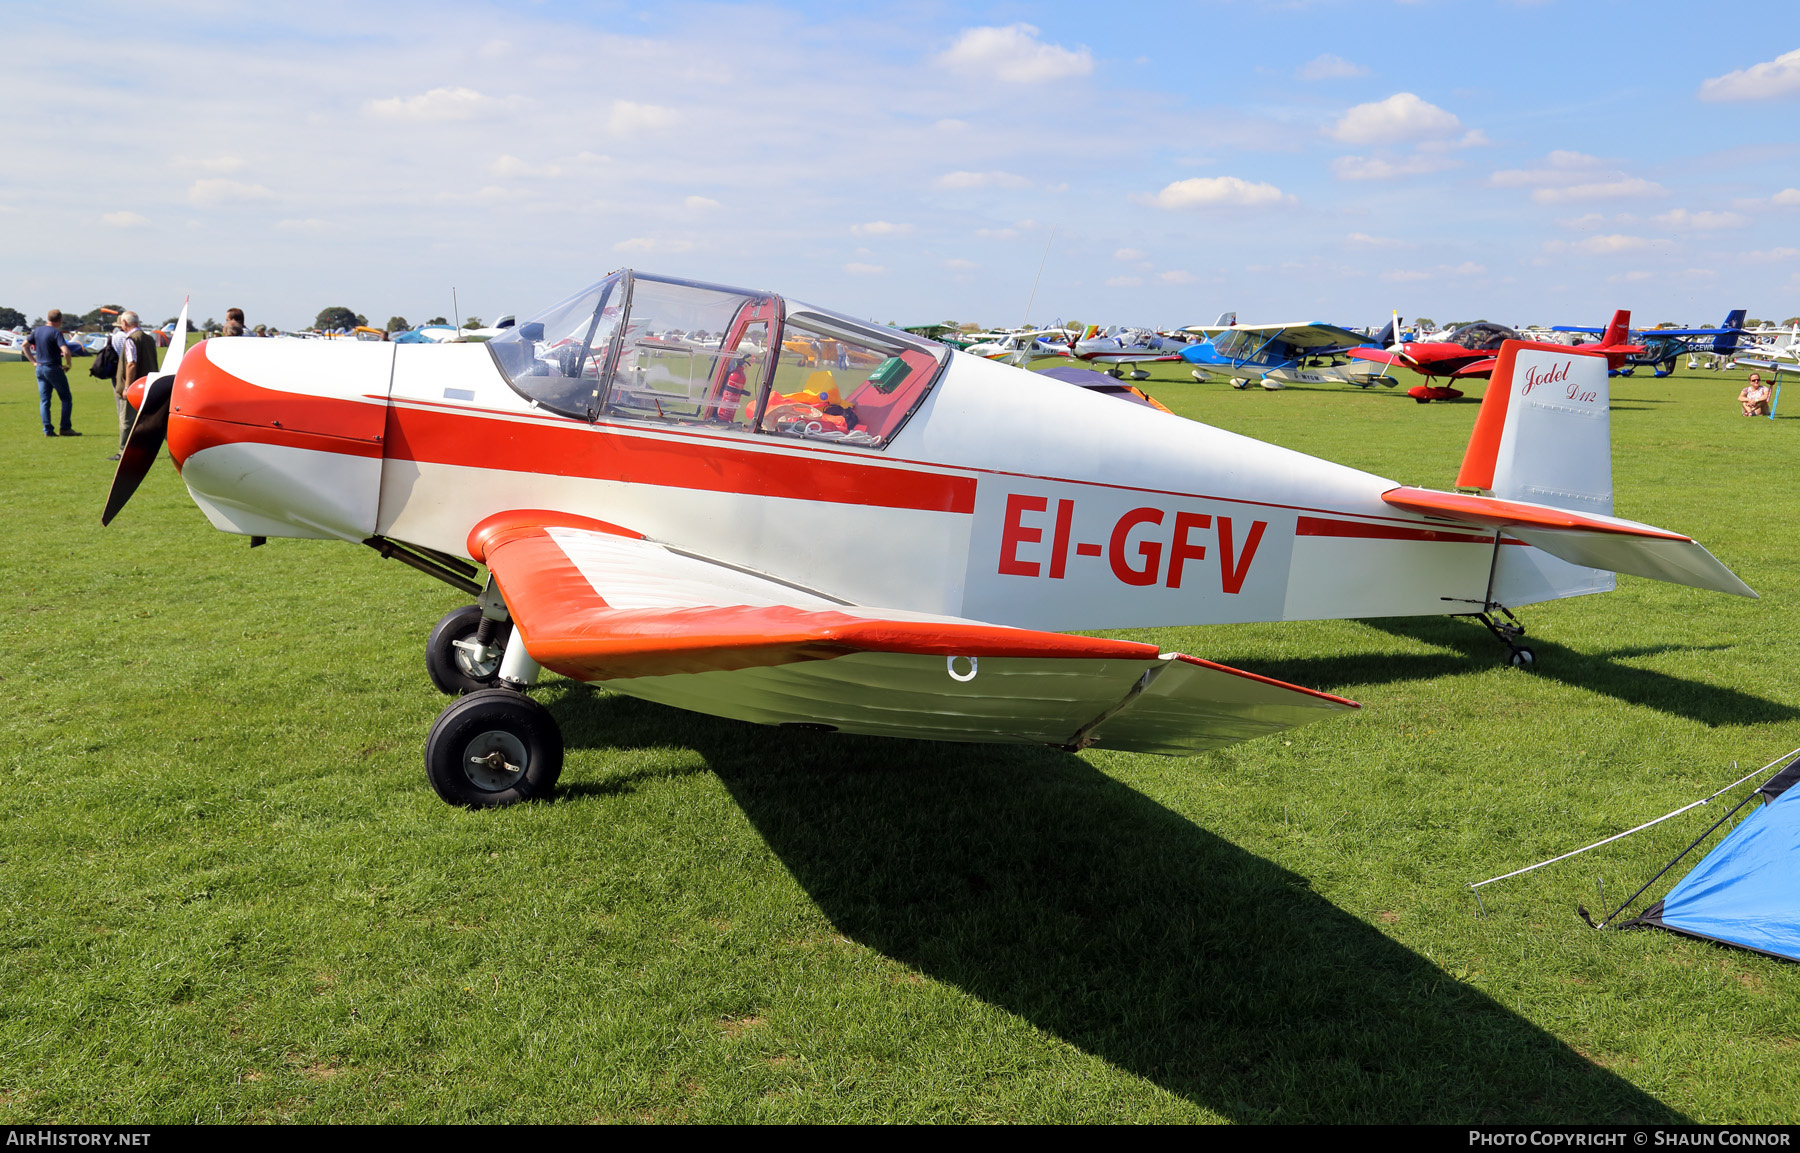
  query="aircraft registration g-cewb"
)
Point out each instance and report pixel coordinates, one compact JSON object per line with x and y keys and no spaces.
{"x":739,"y":504}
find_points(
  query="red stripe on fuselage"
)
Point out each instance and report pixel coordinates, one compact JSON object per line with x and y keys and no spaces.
{"x":1318,"y":526}
{"x":713,"y":465}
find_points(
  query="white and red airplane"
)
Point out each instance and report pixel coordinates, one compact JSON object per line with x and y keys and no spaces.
{"x":871,"y":534}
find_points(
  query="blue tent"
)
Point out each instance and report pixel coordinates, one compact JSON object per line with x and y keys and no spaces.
{"x":1747,"y":890}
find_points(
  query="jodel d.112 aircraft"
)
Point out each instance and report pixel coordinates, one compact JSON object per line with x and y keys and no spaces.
{"x":743,"y":505}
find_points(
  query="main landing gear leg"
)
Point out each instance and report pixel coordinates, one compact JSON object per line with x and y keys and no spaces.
{"x":494,"y":746}
{"x":1508,"y":632}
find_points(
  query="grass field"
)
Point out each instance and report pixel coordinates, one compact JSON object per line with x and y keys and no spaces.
{"x":230,"y":894}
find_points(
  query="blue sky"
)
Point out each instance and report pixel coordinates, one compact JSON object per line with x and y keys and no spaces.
{"x":1527,"y":162}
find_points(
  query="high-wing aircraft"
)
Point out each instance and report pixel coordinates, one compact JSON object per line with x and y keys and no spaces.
{"x":670,"y":500}
{"x":1277,"y":355}
{"x":1021,"y":348}
{"x":1662,"y":346}
{"x":1116,"y":347}
{"x":1473,"y":350}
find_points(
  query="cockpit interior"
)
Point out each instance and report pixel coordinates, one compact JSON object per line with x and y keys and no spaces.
{"x":637,"y":347}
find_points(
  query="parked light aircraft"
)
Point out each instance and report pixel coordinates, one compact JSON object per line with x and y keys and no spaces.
{"x":1473,"y":350}
{"x":1278,"y":355}
{"x":1661,"y":346}
{"x":1020,"y":348}
{"x":668,"y":501}
{"x":1116,"y":347}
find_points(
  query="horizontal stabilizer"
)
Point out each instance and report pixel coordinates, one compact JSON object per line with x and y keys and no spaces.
{"x":598,"y":603}
{"x":1589,"y":539}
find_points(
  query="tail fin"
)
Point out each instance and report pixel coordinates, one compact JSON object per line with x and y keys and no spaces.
{"x":1727,"y":343}
{"x":1386,"y":336}
{"x":1544,"y":435}
{"x":1226,"y":319}
{"x":1619,"y":331}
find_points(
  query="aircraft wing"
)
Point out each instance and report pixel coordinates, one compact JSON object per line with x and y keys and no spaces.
{"x":1307,"y":335}
{"x":1478,"y":368}
{"x":600,"y":603}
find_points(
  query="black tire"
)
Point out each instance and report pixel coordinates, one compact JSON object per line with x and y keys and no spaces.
{"x":448,"y":665}
{"x":1523,"y":658}
{"x":493,"y":748}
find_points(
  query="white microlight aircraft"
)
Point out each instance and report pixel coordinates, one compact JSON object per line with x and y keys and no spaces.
{"x":871,"y":534}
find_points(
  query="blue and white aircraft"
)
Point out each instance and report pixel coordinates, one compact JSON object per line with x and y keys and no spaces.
{"x":1277,"y":355}
{"x":1663,"y":345}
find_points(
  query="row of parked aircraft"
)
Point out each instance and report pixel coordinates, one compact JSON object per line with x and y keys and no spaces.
{"x":1277,"y":355}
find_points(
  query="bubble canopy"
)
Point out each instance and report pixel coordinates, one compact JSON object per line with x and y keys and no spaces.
{"x":656,"y":349}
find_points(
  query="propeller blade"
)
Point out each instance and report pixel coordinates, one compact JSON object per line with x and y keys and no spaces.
{"x":141,"y":445}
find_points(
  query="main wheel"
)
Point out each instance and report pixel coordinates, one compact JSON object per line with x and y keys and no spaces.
{"x":1523,"y":658}
{"x":453,"y":670}
{"x":492,"y":748}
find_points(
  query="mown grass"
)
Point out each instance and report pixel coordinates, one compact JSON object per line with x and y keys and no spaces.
{"x":230,"y":895}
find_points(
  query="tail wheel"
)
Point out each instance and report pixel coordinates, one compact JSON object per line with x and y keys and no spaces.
{"x":454,"y":669}
{"x":494,"y":748}
{"x":1523,"y":658}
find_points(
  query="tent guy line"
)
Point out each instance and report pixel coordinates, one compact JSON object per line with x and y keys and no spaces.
{"x":1783,"y":758}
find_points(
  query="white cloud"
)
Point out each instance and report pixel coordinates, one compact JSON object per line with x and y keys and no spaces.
{"x":649,"y":244}
{"x":1773,"y":256}
{"x":513,"y":166}
{"x":437,"y":104}
{"x":1219,"y":192}
{"x":1176,"y":276}
{"x":123,"y":220}
{"x":220,"y":164}
{"x":864,"y":269}
{"x":1633,"y":277}
{"x":1575,"y":176}
{"x":1585,"y":220}
{"x":1702,"y":221}
{"x":1407,"y":275}
{"x":1786,"y":196}
{"x":1609,"y":245}
{"x":962,"y":180}
{"x":1402,"y":117}
{"x":880,"y":228}
{"x":1123,"y":281}
{"x":1364,"y":240}
{"x":310,"y":224}
{"x":211,"y":192}
{"x":1128,"y":254}
{"x":1770,"y":80}
{"x":1379,"y":168}
{"x":960,"y":265}
{"x":628,"y":118}
{"x":1014,"y":54}
{"x":1329,"y":67}
{"x":700,"y":202}
{"x":996,"y":233}
{"x":1623,"y":188}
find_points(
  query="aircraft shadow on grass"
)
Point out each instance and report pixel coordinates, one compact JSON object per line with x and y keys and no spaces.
{"x":1475,"y":649}
{"x":1034,"y":882}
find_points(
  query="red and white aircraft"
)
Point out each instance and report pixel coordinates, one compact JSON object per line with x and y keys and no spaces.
{"x":1473,"y":351}
{"x":871,"y":534}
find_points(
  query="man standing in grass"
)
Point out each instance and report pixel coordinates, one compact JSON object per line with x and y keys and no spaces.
{"x":47,"y":350}
{"x":137,"y":358}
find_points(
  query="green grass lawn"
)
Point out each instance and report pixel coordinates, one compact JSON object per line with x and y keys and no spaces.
{"x":230,"y":894}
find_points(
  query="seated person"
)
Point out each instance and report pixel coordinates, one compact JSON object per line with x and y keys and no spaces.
{"x":1755,"y":397}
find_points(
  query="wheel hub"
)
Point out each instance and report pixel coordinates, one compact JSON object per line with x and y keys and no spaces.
{"x":476,"y":660}
{"x":495,"y":760}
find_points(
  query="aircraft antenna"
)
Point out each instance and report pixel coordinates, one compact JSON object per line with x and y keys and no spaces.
{"x":1040,"y":275}
{"x":454,"y":312}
